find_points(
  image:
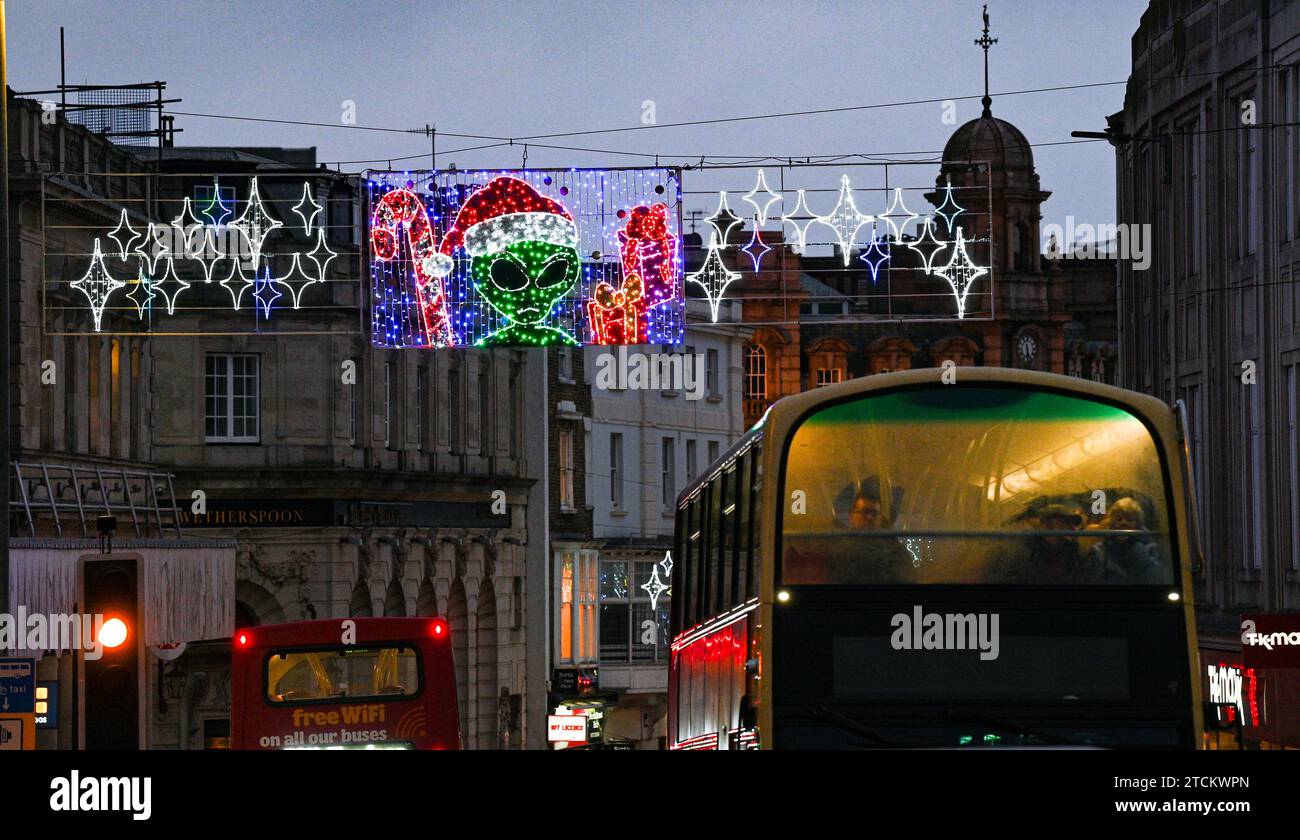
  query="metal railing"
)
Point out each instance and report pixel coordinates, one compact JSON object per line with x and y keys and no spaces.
{"x":68,"y":494}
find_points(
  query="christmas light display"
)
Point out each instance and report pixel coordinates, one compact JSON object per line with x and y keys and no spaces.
{"x":655,"y":587}
{"x":949,"y":209}
{"x":124,"y":243}
{"x":898,"y":210}
{"x":170,"y":286}
{"x":714,"y":277}
{"x":761,"y":210}
{"x":667,"y":564}
{"x":97,"y":285}
{"x":876,"y":256}
{"x":756,"y":249}
{"x":846,"y":220}
{"x":616,"y":315}
{"x":307,"y":209}
{"x":807,"y":215}
{"x":196,"y":246}
{"x":255,"y":224}
{"x":961,"y":273}
{"x":722,"y":220}
{"x":525,"y":258}
{"x":215,"y":210}
{"x":142,"y":284}
{"x":265,"y":293}
{"x":927,"y":245}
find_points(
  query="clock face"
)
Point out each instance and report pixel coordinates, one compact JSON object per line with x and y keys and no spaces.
{"x":1028,"y":348}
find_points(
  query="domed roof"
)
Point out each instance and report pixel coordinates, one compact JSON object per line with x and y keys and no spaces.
{"x":991,"y":139}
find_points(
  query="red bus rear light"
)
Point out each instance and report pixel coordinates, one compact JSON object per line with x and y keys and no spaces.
{"x":438,"y":628}
{"x":243,"y":639}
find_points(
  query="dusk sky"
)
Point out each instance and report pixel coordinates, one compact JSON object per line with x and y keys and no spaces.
{"x":516,"y":69}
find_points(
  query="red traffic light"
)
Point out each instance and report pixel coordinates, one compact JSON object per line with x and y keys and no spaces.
{"x":113,"y":633}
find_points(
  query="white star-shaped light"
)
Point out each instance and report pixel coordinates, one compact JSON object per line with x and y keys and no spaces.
{"x":222,"y":212}
{"x":846,"y":220}
{"x":928,"y":245}
{"x":961,"y":273}
{"x":898,"y":210}
{"x":295,"y":294}
{"x":721,"y":216}
{"x":97,"y":285}
{"x":667,"y":564}
{"x":807,"y":215}
{"x":170,"y":281}
{"x":265,"y":293}
{"x":655,"y":587}
{"x":236,"y":287}
{"x":949,"y":209}
{"x":124,"y":243}
{"x":156,"y":239}
{"x":714,"y":277}
{"x":307,"y":209}
{"x":256,"y":222}
{"x":321,"y":255}
{"x":761,"y":188}
{"x":142,"y":283}
{"x":208,"y":255}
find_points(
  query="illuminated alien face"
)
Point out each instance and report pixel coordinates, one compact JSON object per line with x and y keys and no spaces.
{"x":525,"y":280}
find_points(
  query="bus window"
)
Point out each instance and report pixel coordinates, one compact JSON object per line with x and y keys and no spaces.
{"x":755,"y":481}
{"x":712,"y":549}
{"x":742,"y":529}
{"x":976,"y":485}
{"x":726,"y":539}
{"x":297,"y":676}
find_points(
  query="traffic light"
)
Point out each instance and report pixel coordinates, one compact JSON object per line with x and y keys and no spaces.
{"x":113,"y":687}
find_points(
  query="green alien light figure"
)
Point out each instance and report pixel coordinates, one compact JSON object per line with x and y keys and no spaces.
{"x":524,"y":251}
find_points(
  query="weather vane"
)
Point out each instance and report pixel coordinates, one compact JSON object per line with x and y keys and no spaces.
{"x":985,"y":41}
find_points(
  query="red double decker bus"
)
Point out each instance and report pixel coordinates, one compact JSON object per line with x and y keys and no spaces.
{"x":355,"y":683}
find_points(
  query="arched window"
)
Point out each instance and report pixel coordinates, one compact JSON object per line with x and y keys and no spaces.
{"x":755,"y":372}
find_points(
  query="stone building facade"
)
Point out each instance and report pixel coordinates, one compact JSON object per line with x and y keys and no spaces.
{"x":1215,"y":321}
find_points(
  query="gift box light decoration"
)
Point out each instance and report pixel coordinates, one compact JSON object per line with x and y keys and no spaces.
{"x":244,"y":242}
{"x":525,"y":257}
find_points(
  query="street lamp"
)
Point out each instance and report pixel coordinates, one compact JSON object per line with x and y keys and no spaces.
{"x":1119,"y":138}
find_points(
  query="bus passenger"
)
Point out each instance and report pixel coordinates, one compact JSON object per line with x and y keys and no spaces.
{"x":1051,"y":557}
{"x":1127,"y":559}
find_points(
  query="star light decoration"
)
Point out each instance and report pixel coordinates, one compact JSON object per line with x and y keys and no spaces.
{"x":756,"y":249}
{"x":807,"y":215}
{"x":845,"y":219}
{"x":170,"y":286}
{"x":927,"y":245}
{"x":255,"y":223}
{"x":142,"y":283}
{"x":265,"y":293}
{"x":876,"y":256}
{"x":961,"y":273}
{"x":97,"y":285}
{"x":720,"y":216}
{"x":216,"y":211}
{"x":307,"y":209}
{"x":667,"y":564}
{"x":949,"y":209}
{"x":896,"y":210}
{"x":655,"y":587}
{"x":714,"y":277}
{"x":124,"y":244}
{"x":762,"y":210}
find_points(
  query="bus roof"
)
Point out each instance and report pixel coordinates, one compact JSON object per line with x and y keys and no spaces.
{"x":330,"y":631}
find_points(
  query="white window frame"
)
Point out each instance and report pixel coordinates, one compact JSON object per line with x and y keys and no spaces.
{"x":228,"y":398}
{"x":568,"y":500}
{"x":616,"y":470}
{"x":829,"y":376}
{"x":668,"y":470}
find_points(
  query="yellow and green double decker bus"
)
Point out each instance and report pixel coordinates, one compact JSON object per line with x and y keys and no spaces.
{"x":896,"y":561}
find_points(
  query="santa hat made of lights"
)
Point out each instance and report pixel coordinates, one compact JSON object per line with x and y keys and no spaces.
{"x":503,"y":212}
